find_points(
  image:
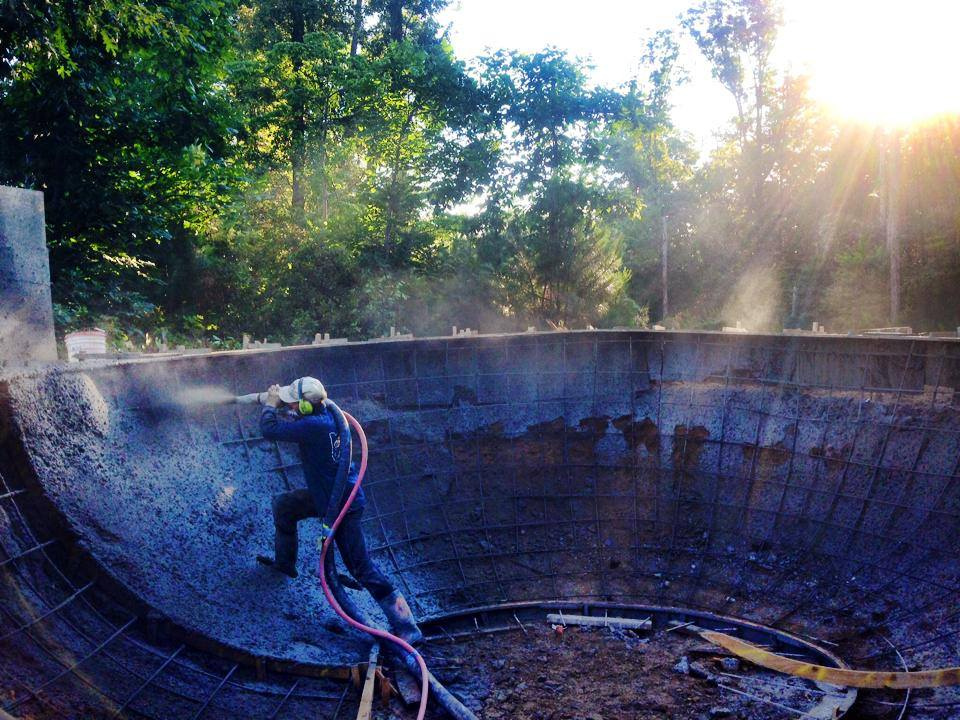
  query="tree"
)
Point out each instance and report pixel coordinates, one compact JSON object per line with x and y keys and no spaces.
{"x":656,"y":164}
{"x":561,"y":263}
{"x":430,"y":146}
{"x":114,"y":110}
{"x":737,"y":38}
{"x":364,"y":137}
{"x":301,"y":86}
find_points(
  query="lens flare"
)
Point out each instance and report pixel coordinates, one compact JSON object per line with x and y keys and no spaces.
{"x":885,"y":63}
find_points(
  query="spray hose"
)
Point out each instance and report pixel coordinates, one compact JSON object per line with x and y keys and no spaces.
{"x":330,"y":532}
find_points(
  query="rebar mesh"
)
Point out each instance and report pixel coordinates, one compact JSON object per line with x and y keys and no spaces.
{"x":806,"y":483}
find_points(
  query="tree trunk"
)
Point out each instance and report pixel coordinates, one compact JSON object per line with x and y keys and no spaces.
{"x":357,"y":27}
{"x":741,"y":122}
{"x":664,"y":253}
{"x":396,"y":20}
{"x":892,"y":178}
{"x":393,"y":199}
{"x":324,"y":183}
{"x":759,"y":166}
{"x":298,"y":165}
{"x":758,"y":89}
{"x":298,"y":141}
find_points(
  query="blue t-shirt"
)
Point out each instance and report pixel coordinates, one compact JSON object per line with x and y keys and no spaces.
{"x":319,"y":443}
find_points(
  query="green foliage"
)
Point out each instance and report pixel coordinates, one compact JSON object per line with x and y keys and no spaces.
{"x":559,"y":263}
{"x":737,"y":38}
{"x":286,"y":167}
{"x":114,"y":110}
{"x":656,"y":165}
{"x":565,"y":266}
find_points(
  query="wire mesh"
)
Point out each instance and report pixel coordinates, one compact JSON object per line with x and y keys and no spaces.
{"x":806,"y":483}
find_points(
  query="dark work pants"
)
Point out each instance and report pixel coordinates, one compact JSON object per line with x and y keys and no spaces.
{"x":290,"y":508}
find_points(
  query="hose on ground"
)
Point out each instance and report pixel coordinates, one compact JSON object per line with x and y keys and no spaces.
{"x":844,"y":677}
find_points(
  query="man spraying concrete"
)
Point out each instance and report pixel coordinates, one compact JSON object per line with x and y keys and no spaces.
{"x":296,"y":413}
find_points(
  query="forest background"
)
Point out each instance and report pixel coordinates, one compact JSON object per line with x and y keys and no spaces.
{"x":286,"y":167}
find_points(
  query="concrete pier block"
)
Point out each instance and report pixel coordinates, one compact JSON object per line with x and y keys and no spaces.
{"x":26,"y":309}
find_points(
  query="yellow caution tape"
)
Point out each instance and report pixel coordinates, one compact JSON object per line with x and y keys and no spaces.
{"x":833,"y":676}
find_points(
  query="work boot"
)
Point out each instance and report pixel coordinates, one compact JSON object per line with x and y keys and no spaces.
{"x":285,"y":555}
{"x":273,"y":564}
{"x":402,"y":624}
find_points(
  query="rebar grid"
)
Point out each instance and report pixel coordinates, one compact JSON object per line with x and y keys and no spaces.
{"x":786,"y":479}
{"x":63,"y":638}
{"x":864,"y":393}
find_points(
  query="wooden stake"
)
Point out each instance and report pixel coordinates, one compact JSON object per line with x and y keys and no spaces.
{"x":369,"y":684}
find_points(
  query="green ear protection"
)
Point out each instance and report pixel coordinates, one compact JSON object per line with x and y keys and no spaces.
{"x":304,"y":406}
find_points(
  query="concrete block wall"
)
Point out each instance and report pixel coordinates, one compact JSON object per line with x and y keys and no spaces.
{"x":26,"y":310}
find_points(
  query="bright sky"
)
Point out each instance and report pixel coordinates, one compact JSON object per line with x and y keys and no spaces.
{"x":883,"y":60}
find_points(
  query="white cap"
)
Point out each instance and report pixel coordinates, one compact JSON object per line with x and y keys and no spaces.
{"x":305,"y":388}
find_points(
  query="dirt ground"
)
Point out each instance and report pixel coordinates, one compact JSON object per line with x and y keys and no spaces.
{"x":604,"y":674}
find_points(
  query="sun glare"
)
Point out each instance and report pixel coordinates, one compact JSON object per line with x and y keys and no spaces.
{"x":888,"y":63}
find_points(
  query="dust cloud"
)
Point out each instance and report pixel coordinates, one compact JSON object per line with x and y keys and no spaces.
{"x":754,"y":301}
{"x":204,"y":395}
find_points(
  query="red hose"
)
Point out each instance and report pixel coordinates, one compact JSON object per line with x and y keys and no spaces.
{"x":376,"y":632}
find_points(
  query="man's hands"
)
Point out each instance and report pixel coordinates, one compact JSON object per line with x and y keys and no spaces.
{"x":273,"y":397}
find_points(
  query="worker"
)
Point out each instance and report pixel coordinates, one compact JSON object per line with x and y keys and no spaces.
{"x":306,"y":421}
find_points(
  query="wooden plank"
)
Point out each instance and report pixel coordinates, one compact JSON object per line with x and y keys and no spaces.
{"x":625,"y":623}
{"x":369,"y":684}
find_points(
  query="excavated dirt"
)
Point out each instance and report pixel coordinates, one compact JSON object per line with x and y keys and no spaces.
{"x":605,"y":674}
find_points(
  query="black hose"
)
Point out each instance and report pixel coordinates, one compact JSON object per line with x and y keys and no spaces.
{"x":343,"y":467}
{"x":447,"y":699}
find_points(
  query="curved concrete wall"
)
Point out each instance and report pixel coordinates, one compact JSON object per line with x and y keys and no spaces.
{"x":808,"y":483}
